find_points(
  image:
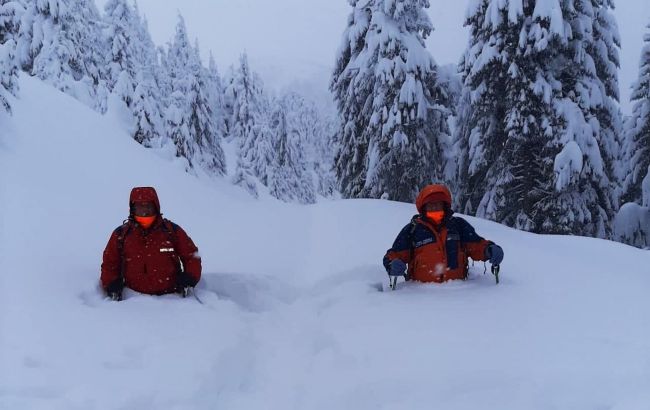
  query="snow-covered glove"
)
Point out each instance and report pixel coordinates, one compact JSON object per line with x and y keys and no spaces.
{"x":397,"y":268}
{"x":184,"y":280}
{"x":494,"y":254}
{"x":114,"y":290}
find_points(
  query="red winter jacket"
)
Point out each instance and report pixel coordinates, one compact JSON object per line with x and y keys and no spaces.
{"x":152,"y":258}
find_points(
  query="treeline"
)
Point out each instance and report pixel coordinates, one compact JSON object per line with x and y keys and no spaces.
{"x":109,"y":62}
{"x":533,"y":138}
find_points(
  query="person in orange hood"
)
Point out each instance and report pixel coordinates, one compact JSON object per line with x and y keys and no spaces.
{"x":436,"y":245}
{"x":149,"y":253}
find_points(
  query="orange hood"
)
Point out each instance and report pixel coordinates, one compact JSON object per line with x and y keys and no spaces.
{"x":430,"y":193}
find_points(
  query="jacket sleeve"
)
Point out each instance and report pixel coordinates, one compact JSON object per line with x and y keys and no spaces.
{"x":110,"y":262}
{"x":474,"y":244}
{"x":189,"y":254}
{"x":401,"y":248}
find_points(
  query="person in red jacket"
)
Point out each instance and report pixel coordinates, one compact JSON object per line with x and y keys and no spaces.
{"x":436,"y":244}
{"x":149,"y":253}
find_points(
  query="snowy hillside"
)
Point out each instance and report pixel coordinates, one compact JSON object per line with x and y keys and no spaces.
{"x":292,"y":318}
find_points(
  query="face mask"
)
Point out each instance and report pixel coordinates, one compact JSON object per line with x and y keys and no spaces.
{"x":436,"y":216}
{"x":145,"y":221}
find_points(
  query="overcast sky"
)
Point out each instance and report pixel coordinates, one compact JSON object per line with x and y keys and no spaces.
{"x":295,"y":41}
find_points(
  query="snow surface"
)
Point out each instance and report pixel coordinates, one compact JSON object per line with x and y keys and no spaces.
{"x":291,"y":316}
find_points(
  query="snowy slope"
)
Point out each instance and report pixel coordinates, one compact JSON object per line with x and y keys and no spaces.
{"x":291,"y":318}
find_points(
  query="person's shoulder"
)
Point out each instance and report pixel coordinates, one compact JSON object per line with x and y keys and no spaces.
{"x":459,"y":222}
{"x":172,"y":226}
{"x":123,"y":227}
{"x":413,"y":223}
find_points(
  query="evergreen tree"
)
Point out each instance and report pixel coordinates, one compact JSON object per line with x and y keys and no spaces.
{"x":215,"y":92}
{"x":637,"y":148}
{"x":249,"y":128}
{"x":588,"y":123}
{"x":289,"y":177}
{"x":632,"y":224}
{"x":10,"y":12}
{"x":147,"y":96}
{"x":88,"y":38}
{"x":189,"y":117}
{"x":59,"y":42}
{"x":604,"y":46}
{"x":394,"y":113}
{"x":324,"y":156}
{"x":537,"y":121}
{"x":505,"y":114}
{"x":204,"y":131}
{"x":121,"y":33}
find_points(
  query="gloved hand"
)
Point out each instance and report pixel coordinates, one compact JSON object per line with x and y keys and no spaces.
{"x":397,"y":268}
{"x":114,"y":289}
{"x":494,"y":254}
{"x":184,"y":280}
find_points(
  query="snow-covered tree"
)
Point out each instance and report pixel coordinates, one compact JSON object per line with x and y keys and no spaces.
{"x":604,"y":45}
{"x":632,"y":224}
{"x":59,"y":42}
{"x":324,"y":154}
{"x":121,"y":34}
{"x":504,"y":115}
{"x":205,"y":133}
{"x":289,"y":178}
{"x":249,"y":127}
{"x":189,"y":117}
{"x":393,"y":111}
{"x":637,"y":132}
{"x":215,"y":92}
{"x":147,"y":95}
{"x":10,"y":13}
{"x":539,"y":116}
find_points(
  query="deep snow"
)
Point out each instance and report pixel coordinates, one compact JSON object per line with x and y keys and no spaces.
{"x":292,"y":318}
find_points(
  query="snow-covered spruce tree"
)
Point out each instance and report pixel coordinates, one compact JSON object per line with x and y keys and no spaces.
{"x":587,"y":110}
{"x":59,"y":42}
{"x":632,"y":223}
{"x":10,"y":12}
{"x":289,"y":177}
{"x":505,"y":114}
{"x":92,"y":49}
{"x":188,"y":119}
{"x":147,"y":96}
{"x":121,"y":34}
{"x":204,"y":132}
{"x":393,"y":112}
{"x":215,"y":92}
{"x":604,"y":46}
{"x":317,"y":128}
{"x":249,"y":127}
{"x":637,"y":130}
{"x":324,"y":155}
{"x":533,"y":152}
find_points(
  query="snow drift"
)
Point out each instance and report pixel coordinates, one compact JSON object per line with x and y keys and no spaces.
{"x":292,"y":318}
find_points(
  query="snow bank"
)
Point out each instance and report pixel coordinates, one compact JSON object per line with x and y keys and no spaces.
{"x":291,"y":316}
